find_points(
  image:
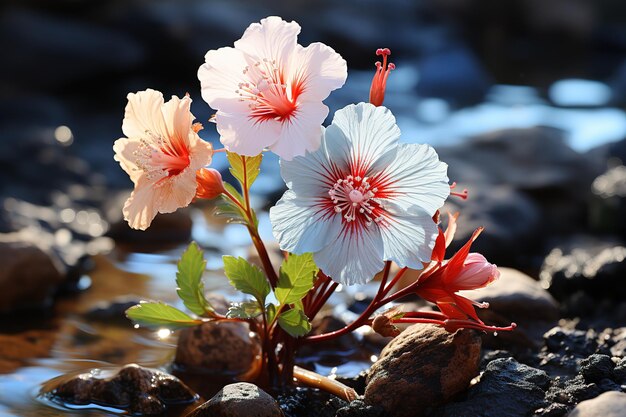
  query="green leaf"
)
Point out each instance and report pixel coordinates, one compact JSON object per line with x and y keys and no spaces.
{"x":294,"y":322}
{"x":296,"y":278}
{"x":157,"y":314}
{"x":245,"y":168}
{"x":246,"y":277}
{"x":189,"y":280}
{"x":226,"y":208}
{"x":271,"y":312}
{"x":246,"y":310}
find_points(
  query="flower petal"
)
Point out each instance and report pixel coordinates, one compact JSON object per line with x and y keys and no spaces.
{"x":300,"y":227}
{"x":240,"y":134}
{"x":143,"y":113}
{"x":176,"y":191}
{"x":317,"y":70}
{"x":477,"y":272}
{"x":416,"y":177}
{"x":140,"y":208}
{"x":272,"y":38}
{"x":368,"y":136}
{"x":219,"y":78}
{"x":303,"y":132}
{"x":177,"y":116}
{"x":354,"y":257}
{"x":408,"y":236}
{"x":125,"y":150}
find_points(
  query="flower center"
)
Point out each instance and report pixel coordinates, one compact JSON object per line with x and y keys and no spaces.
{"x":356,"y":200}
{"x":270,"y":98}
{"x":159,"y":158}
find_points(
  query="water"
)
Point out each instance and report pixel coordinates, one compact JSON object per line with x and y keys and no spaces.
{"x":69,"y":343}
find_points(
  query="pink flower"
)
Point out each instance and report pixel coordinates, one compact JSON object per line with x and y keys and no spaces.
{"x":268,"y":89}
{"x":443,"y":279}
{"x":161,"y":154}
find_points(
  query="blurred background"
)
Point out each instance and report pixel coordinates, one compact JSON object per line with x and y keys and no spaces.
{"x":524,"y":99}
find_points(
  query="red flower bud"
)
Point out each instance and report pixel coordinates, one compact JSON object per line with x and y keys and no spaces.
{"x":210,"y":184}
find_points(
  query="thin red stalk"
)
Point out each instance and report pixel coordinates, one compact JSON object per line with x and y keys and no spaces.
{"x":322,"y":300}
{"x":362,"y":319}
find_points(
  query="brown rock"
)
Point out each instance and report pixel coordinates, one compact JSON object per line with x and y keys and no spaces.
{"x":517,"y":296}
{"x":28,"y":277}
{"x":135,"y":389}
{"x":423,"y":367}
{"x":609,"y":404}
{"x":218,"y":348}
{"x":239,"y":400}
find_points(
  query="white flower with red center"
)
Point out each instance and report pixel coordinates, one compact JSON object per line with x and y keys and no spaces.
{"x":161,"y":154}
{"x":268,"y":89}
{"x":361,"y":198}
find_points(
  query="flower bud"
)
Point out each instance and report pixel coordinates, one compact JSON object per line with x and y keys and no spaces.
{"x":477,"y":272}
{"x":210,"y":184}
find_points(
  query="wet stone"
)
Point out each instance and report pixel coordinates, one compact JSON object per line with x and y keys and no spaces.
{"x":422,"y":367}
{"x":217,"y":348}
{"x":38,"y":277}
{"x":239,"y":400}
{"x":135,"y":389}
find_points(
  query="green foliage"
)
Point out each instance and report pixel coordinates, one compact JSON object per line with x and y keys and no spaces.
{"x":296,"y":278}
{"x":158,"y":314}
{"x":226,"y":208}
{"x":270,"y":309}
{"x":246,"y":278}
{"x":189,"y":281}
{"x":245,"y":168}
{"x":294,"y":322}
{"x":246,"y":310}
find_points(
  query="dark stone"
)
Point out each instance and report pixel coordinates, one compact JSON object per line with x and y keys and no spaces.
{"x":135,"y":389}
{"x":565,"y":348}
{"x":28,"y":277}
{"x":217,"y":348}
{"x":620,"y":371}
{"x":308,"y":402}
{"x":113,"y":311}
{"x":597,"y":367}
{"x":592,"y":265}
{"x":239,"y":400}
{"x":506,"y":388}
{"x":422,"y":367}
{"x":553,"y":410}
{"x":609,"y":201}
{"x":572,"y":391}
{"x":358,"y":408}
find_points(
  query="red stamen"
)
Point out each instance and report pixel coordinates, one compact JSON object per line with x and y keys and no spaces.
{"x":462,"y":195}
{"x":379,"y":82}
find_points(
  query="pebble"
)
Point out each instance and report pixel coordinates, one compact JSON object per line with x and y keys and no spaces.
{"x":609,"y":404}
{"x":239,"y":400}
{"x":422,"y":367}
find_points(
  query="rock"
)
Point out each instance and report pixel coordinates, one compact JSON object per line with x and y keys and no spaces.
{"x":565,"y":348}
{"x":609,"y":404}
{"x":518,"y":298}
{"x":422,"y":367}
{"x":592,"y":265}
{"x":239,"y":400}
{"x":28,"y":277}
{"x":509,"y":217}
{"x":358,"y":408}
{"x":597,"y":367}
{"x":217,"y":348}
{"x":300,"y":401}
{"x":113,"y":311}
{"x":135,"y":389}
{"x":506,"y":388}
{"x":609,"y":201}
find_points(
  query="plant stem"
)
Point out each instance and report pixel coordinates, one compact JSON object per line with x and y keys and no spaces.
{"x":362,"y":319}
{"x":315,"y":380}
